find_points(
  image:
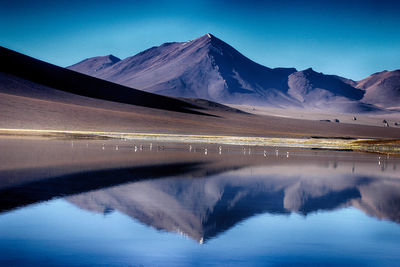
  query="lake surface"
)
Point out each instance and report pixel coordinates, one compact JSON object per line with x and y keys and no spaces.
{"x":131,"y":203}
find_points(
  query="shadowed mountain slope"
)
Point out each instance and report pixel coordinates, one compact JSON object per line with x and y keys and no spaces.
{"x":59,"y":78}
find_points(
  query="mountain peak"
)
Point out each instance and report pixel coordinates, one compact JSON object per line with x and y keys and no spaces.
{"x":308,"y":70}
{"x":113,"y":58}
{"x":211,"y":36}
{"x":208,"y":37}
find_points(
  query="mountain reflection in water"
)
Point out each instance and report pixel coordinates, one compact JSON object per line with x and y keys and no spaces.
{"x":202,"y":208}
{"x":201,"y":195}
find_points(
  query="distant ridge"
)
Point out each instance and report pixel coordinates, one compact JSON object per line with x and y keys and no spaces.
{"x":211,"y":69}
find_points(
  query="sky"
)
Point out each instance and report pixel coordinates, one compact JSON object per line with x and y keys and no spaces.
{"x":349,"y":38}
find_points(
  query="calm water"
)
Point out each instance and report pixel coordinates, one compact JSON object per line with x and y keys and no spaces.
{"x":128,"y":203}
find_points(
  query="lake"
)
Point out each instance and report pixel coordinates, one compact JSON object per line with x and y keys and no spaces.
{"x":136,"y":203}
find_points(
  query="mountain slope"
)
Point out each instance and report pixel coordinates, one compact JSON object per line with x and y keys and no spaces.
{"x":382,"y":89}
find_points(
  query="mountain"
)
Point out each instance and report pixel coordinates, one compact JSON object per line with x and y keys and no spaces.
{"x":382,"y":89}
{"x":205,"y":68}
{"x":211,"y":69}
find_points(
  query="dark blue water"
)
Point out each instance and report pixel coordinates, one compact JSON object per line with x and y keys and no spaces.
{"x":311,"y":208}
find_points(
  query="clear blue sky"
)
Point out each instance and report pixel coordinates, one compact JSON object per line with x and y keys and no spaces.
{"x":349,"y":38}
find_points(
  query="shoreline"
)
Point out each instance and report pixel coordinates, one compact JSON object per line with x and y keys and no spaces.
{"x":313,"y":142}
